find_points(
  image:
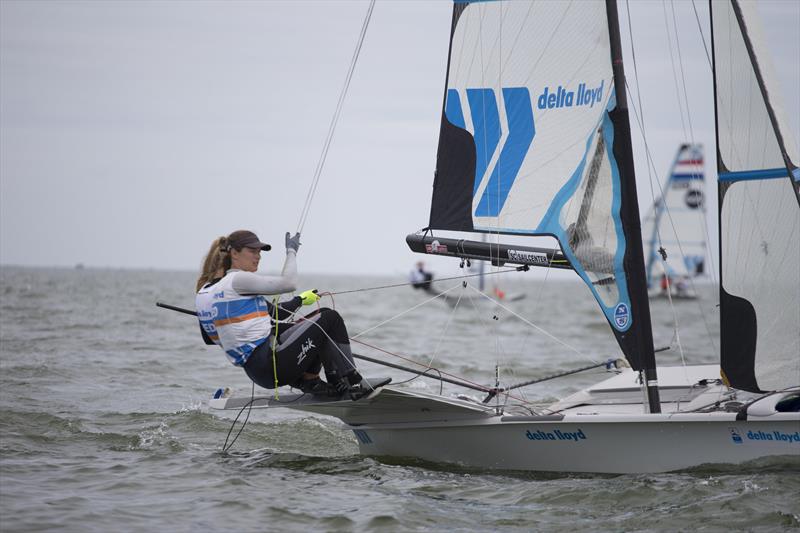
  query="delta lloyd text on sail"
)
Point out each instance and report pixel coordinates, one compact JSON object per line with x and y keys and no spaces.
{"x":561,"y":97}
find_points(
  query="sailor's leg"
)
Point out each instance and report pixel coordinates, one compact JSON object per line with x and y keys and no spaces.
{"x":337,"y":357}
{"x":291,"y":361}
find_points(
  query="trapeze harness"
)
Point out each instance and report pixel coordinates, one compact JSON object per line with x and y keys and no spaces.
{"x":235,"y":314}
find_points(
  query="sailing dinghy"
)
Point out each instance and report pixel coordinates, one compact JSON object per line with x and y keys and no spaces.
{"x":535,"y":140}
{"x":675,"y":229}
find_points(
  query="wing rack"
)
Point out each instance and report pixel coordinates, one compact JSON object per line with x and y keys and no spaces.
{"x":498,"y":254}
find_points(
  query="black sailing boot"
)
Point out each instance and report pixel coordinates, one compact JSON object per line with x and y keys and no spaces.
{"x":316,"y":387}
{"x":355,"y":391}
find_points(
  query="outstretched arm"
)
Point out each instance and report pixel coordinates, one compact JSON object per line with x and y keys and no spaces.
{"x":248,"y":283}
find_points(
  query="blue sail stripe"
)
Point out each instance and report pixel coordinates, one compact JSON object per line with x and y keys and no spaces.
{"x":765,"y":174}
{"x":521,"y":131}
{"x":486,"y":125}
{"x":453,"y":111}
{"x":689,"y":176}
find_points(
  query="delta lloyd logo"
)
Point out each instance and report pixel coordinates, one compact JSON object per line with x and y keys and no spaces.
{"x":562,"y":97}
{"x":487,"y":132}
{"x":758,"y":435}
{"x":556,"y":435}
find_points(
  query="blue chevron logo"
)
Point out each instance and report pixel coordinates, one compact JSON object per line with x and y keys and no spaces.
{"x":487,"y":131}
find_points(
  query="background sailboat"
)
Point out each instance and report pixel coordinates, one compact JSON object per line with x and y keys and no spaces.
{"x":676,"y":224}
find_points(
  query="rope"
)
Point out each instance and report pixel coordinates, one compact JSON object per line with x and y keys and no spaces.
{"x":639,"y":116}
{"x":702,"y":37}
{"x":321,"y":163}
{"x":411,"y":282}
{"x":249,"y":407}
{"x":531,"y":324}
{"x":441,"y":294}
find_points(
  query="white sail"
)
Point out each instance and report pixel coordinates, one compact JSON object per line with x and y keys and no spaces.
{"x":532,"y":115}
{"x":759,"y":210}
{"x":528,"y":139}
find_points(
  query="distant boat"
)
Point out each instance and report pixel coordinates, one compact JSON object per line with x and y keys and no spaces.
{"x":676,"y":226}
{"x":79,"y":266}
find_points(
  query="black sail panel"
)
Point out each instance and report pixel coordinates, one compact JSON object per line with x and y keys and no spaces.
{"x":451,"y":203}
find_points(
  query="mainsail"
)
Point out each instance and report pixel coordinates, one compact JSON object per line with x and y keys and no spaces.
{"x":759,"y":209}
{"x":677,"y":220}
{"x":535,"y":140}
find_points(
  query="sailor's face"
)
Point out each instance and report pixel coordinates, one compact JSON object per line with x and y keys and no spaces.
{"x":247,"y":259}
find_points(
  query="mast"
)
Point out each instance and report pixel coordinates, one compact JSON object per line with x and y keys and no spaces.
{"x":634,"y":257}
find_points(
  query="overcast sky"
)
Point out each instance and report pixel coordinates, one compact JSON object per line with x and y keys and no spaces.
{"x":133,"y":133}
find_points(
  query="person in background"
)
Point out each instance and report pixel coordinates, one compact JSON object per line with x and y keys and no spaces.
{"x":666,"y":281}
{"x":420,"y":278}
{"x":254,"y":332}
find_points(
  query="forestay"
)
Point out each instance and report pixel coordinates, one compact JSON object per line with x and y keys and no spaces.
{"x":530,"y":144}
{"x":677,"y":220}
{"x":759,"y":209}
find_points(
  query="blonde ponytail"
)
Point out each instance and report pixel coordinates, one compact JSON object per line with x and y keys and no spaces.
{"x":216,"y":263}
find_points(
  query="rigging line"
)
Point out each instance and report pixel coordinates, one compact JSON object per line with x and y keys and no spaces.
{"x":526,"y":321}
{"x":407,"y":283}
{"x":483,"y":388}
{"x":702,"y":37}
{"x":493,"y":331}
{"x":683,"y":75}
{"x":672,"y":64}
{"x":249,"y":407}
{"x":482,"y":319}
{"x":474,"y":385}
{"x":335,"y":344}
{"x":446,"y":327}
{"x":639,"y":96}
{"x":538,"y":296}
{"x":691,"y":137}
{"x":712,"y":270}
{"x":649,"y":158}
{"x":339,"y":105}
{"x":441,"y":294}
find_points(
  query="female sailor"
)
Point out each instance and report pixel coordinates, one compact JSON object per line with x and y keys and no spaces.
{"x":256,"y":334}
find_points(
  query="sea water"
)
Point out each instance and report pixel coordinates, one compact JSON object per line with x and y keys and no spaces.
{"x":105,"y":423}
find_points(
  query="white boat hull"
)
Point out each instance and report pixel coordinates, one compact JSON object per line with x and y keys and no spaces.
{"x":599,"y":429}
{"x":590,"y":443}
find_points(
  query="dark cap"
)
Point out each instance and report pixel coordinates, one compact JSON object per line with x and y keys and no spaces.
{"x":246,"y":239}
